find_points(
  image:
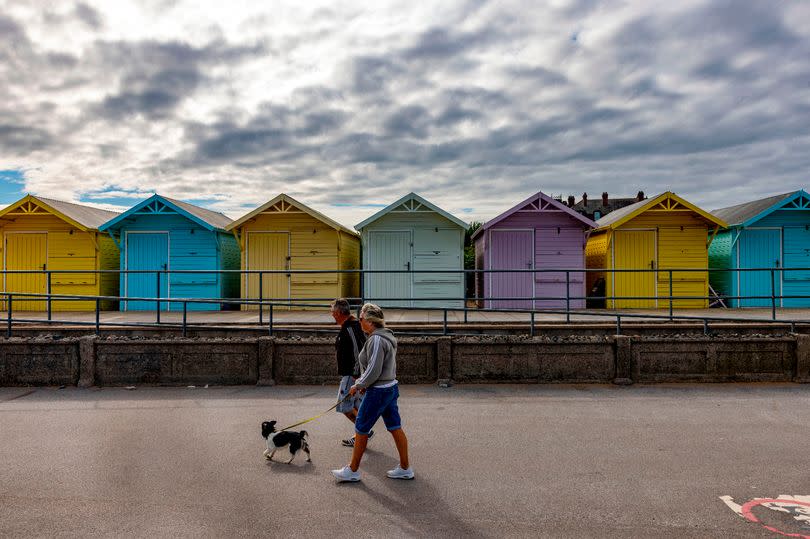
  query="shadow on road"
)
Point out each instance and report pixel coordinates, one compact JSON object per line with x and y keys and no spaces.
{"x":418,"y":508}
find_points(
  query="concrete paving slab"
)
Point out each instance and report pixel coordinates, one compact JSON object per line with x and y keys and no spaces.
{"x":491,"y":461}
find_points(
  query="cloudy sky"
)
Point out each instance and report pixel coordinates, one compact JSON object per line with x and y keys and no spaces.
{"x":348,"y":106}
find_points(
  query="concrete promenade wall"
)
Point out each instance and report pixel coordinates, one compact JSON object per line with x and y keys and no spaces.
{"x":89,"y":360}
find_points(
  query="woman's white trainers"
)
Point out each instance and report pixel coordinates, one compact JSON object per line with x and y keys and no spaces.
{"x":399,"y":473}
{"x":346,"y":474}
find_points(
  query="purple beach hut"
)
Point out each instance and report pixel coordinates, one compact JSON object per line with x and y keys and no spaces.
{"x":539,"y":233}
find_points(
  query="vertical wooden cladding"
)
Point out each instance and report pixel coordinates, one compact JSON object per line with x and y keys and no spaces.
{"x":511,"y":250}
{"x":633,"y":250}
{"x":36,"y":236}
{"x":27,"y":251}
{"x":389,"y":250}
{"x":285,"y":234}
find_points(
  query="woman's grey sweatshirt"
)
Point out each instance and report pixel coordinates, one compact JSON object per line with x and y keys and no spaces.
{"x":378,"y":359}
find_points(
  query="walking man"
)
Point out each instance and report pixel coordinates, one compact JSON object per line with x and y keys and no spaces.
{"x":349,"y":342}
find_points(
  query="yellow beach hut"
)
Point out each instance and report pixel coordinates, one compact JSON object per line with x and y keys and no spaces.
{"x":285,"y":234}
{"x":661,"y":233}
{"x":44,"y":234}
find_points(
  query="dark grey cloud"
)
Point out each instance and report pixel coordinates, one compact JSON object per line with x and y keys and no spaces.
{"x":153,"y":96}
{"x":441,"y":43}
{"x":89,"y":16}
{"x":155,"y":78}
{"x":22,"y":139}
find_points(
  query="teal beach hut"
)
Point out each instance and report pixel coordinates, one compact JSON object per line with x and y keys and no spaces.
{"x":413,"y":235}
{"x":772,"y":232}
{"x":165,"y":234}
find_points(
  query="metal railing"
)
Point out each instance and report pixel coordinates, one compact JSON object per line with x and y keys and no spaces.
{"x":516,"y":304}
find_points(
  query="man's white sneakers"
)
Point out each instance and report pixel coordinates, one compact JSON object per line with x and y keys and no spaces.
{"x":399,"y":473}
{"x":346,"y":474}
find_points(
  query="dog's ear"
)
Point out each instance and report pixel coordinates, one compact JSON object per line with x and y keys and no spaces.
{"x":267,"y":428}
{"x":304,"y":434}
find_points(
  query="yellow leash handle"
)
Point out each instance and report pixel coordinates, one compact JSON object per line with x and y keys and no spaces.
{"x":313,"y":418}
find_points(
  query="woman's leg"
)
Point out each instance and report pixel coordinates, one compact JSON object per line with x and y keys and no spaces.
{"x":401,"y":442}
{"x":360,"y":441}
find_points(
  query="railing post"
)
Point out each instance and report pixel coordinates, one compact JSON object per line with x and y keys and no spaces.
{"x":531,"y":325}
{"x":444,"y":326}
{"x":362,"y":289}
{"x":773,"y":294}
{"x":10,"y":310}
{"x":567,"y":296}
{"x":670,"y":295}
{"x":98,"y":315}
{"x":185,"y":316}
{"x":270,"y":324}
{"x":261,"y":298}
{"x":49,"y":296}
{"x":157,"y":274}
{"x":618,"y":325}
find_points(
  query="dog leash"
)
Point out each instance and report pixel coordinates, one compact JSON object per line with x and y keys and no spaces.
{"x":313,"y":418}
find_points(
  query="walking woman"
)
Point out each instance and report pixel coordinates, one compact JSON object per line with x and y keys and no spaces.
{"x":378,"y":362}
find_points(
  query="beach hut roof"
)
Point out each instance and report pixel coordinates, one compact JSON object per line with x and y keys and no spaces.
{"x":622,"y":215}
{"x":82,"y":217}
{"x":208,"y":219}
{"x":419,"y":203}
{"x":537,"y":201}
{"x":280,"y":200}
{"x":750,"y":212}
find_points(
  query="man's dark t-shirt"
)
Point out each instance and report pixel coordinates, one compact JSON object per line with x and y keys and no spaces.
{"x":344,"y":348}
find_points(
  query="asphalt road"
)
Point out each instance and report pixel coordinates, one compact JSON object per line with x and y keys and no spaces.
{"x":491,"y":461}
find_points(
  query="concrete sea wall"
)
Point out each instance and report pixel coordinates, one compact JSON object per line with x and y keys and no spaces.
{"x":113,"y":361}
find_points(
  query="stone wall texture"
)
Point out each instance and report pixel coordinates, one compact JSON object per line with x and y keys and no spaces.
{"x":88,"y":361}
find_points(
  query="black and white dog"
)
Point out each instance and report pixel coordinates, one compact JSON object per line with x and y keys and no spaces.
{"x":277,"y":440}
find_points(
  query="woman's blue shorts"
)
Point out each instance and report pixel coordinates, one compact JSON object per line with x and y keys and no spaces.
{"x":378,"y":402}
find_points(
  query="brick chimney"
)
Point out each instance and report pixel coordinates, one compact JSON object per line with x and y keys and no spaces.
{"x":571,"y":201}
{"x":585,"y":199}
{"x":640,"y":196}
{"x":604,"y":199}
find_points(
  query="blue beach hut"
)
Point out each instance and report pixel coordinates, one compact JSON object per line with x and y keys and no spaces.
{"x":772,"y":232}
{"x":165,"y":234}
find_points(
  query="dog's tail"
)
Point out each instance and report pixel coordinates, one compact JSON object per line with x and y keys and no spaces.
{"x":304,"y":434}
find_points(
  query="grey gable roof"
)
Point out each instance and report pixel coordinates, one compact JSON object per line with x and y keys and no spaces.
{"x":615,"y":215}
{"x":84,"y":215}
{"x":735,"y":215}
{"x":213,"y":218}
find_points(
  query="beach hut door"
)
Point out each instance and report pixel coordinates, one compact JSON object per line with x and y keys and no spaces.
{"x":269,"y":251}
{"x":149,"y":252}
{"x":635,"y":250}
{"x":512,"y":250}
{"x":759,"y":249}
{"x":26,"y":251}
{"x":797,"y":255}
{"x":389,"y":251}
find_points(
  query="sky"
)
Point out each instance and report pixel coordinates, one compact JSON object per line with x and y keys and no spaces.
{"x":345,"y":106}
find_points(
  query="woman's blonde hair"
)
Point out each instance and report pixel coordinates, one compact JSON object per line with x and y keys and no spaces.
{"x":374,"y":315}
